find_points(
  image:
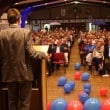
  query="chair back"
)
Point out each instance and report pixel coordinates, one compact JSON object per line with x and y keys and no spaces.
{"x":58,"y":56}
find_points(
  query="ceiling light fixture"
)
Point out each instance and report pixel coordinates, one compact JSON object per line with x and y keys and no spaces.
{"x":16,"y":3}
{"x":104,"y":2}
{"x":76,"y":2}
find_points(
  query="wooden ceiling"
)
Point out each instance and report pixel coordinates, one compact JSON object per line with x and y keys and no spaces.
{"x":21,"y":4}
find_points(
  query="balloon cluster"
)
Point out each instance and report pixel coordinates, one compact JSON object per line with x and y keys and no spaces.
{"x":89,"y":104}
{"x":84,"y":102}
{"x":67,"y":86}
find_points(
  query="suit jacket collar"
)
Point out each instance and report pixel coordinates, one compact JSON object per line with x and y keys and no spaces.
{"x":14,"y":26}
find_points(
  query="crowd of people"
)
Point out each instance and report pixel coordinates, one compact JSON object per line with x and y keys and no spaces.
{"x":94,"y":49}
{"x":58,"y":40}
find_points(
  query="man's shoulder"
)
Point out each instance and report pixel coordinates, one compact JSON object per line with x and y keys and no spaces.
{"x":3,"y":31}
{"x":26,"y":30}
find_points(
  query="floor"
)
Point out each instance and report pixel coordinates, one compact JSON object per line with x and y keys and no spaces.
{"x":97,"y":82}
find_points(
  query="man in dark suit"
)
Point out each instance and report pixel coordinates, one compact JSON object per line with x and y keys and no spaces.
{"x":66,"y":50}
{"x":53,"y":48}
{"x":15,"y":53}
{"x":107,"y":55}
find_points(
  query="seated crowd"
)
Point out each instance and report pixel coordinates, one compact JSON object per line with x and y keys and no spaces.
{"x":58,"y":41}
{"x":94,"y":49}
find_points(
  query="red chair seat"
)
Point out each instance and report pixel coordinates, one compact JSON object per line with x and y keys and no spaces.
{"x":58,"y":58}
{"x":59,"y":62}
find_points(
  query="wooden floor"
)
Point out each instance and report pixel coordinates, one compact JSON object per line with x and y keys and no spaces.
{"x":97,"y":82}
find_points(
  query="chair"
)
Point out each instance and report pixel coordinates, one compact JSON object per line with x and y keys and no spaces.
{"x":58,"y":58}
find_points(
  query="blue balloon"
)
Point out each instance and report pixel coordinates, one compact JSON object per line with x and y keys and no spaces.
{"x":92,"y":104}
{"x":77,"y":66}
{"x":83,"y":97}
{"x":87,"y":86}
{"x":72,"y":83}
{"x":59,"y":104}
{"x":87,"y":91}
{"x":67,"y":88}
{"x":85,"y":76}
{"x":62,"y":81}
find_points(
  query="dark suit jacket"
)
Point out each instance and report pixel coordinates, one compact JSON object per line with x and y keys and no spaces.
{"x":106,"y":51}
{"x":65,"y":48}
{"x":52,"y":49}
{"x":15,"y":52}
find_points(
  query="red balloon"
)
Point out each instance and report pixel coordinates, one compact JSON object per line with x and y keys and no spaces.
{"x":77,"y":75}
{"x":49,"y":106}
{"x":103,"y":91}
{"x":106,"y":105}
{"x":75,"y":105}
